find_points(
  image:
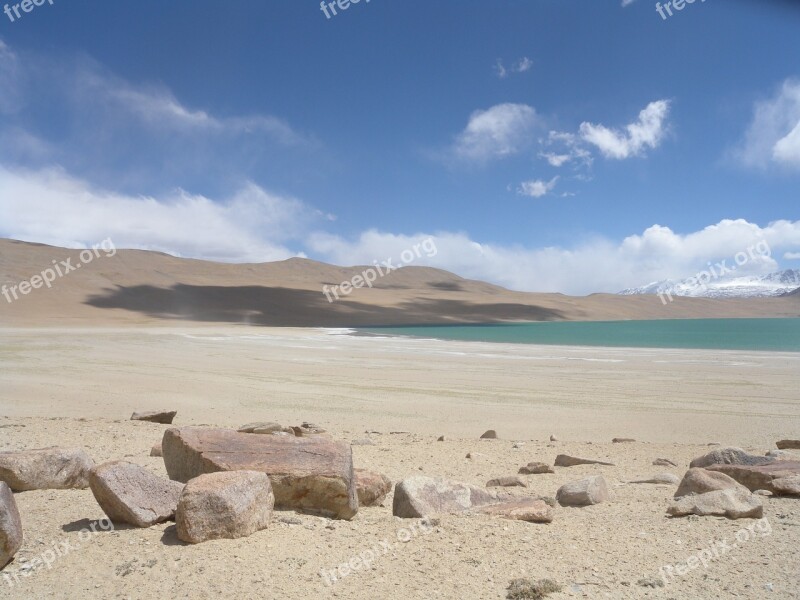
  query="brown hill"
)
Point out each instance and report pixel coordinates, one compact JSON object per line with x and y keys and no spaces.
{"x":142,"y":287}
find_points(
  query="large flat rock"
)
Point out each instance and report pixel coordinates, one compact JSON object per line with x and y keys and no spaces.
{"x":759,"y":477}
{"x":311,"y":474}
{"x":46,"y":469}
{"x":420,"y":496}
{"x":129,"y":493}
{"x":728,"y":456}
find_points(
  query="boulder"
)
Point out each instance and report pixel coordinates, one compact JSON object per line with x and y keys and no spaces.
{"x":701,"y":481}
{"x":759,"y":477}
{"x":788,"y":445}
{"x":10,"y":525}
{"x":536,"y":468}
{"x":420,"y":496}
{"x":311,"y":474}
{"x":531,"y":510}
{"x":156,"y":450}
{"x":510,"y":481}
{"x":787,"y":486}
{"x":728,"y":456}
{"x":46,"y":469}
{"x":660,"y":479}
{"x":663,"y":462}
{"x":489,"y":435}
{"x":372,"y":488}
{"x":734,"y":503}
{"x":564,"y":460}
{"x":129,"y":493}
{"x":224,"y":505}
{"x":164,"y":417}
{"x":586,"y":492}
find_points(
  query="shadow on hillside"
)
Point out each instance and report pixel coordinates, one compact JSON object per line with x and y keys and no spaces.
{"x":277,"y":307}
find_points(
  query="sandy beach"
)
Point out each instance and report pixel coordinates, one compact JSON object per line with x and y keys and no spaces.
{"x":78,"y":387}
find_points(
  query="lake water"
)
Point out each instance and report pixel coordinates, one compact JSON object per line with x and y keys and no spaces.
{"x":714,"y":334}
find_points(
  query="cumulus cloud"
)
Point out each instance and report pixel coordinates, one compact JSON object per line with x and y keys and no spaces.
{"x":502,"y":130}
{"x":773,"y":136}
{"x":536,"y":188}
{"x":647,"y":132}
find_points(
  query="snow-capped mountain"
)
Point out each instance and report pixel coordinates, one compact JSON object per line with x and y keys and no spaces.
{"x":750,"y":286}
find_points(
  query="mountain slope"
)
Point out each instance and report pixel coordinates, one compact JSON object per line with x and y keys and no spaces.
{"x":753,"y":286}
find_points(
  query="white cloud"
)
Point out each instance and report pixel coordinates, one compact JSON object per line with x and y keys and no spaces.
{"x":792,"y":256}
{"x":590,"y":265}
{"x":627,"y":2}
{"x":773,"y":137}
{"x":51,"y":207}
{"x":499,"y":131}
{"x":522,"y":65}
{"x":647,"y":132}
{"x":536,"y":188}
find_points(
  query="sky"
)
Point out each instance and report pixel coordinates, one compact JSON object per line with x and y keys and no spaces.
{"x":566,"y":146}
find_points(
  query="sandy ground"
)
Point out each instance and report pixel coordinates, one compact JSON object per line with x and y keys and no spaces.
{"x":76,"y":387}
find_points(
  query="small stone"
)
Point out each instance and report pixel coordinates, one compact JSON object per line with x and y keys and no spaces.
{"x":663,"y":462}
{"x":788,"y":445}
{"x":651,"y":582}
{"x":489,"y":435}
{"x":440,"y":438}
{"x":510,"y":481}
{"x":536,"y":468}
{"x":787,"y":486}
{"x":553,"y":438}
{"x":164,"y":417}
{"x":564,"y":460}
{"x":262,"y":428}
{"x":529,"y":509}
{"x":586,"y":492}
{"x":156,"y":450}
{"x":660,"y":479}
{"x":623,"y":440}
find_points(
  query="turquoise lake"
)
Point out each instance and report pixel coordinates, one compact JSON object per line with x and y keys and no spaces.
{"x":713,"y":334}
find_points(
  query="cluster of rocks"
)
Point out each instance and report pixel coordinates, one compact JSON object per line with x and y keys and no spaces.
{"x":225,"y":484}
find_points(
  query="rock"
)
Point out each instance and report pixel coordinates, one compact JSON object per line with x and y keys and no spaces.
{"x":308,"y":429}
{"x":553,"y":438}
{"x":536,"y":468}
{"x":440,"y":438}
{"x":529,"y":509}
{"x":734,"y":503}
{"x":46,"y":469}
{"x":311,"y":474}
{"x":759,"y":477}
{"x":783,"y":455}
{"x":787,"y":486}
{"x":156,"y":450}
{"x":489,"y":435}
{"x":663,"y":462}
{"x":362,"y":442}
{"x":527,"y":589}
{"x":622,"y":441}
{"x":420,"y":496}
{"x":788,"y":445}
{"x":586,"y":492}
{"x":651,"y":582}
{"x":701,"y":481}
{"x":10,"y":525}
{"x":660,"y":479}
{"x":262,"y":428}
{"x":564,"y":460}
{"x":164,"y":417}
{"x":510,"y":481}
{"x":131,"y":494}
{"x":765,"y":493}
{"x":728,"y":456}
{"x":225,"y":505}
{"x":475,"y":455}
{"x":372,"y":488}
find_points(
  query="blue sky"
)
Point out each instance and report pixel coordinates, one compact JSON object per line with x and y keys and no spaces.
{"x":546,"y":145}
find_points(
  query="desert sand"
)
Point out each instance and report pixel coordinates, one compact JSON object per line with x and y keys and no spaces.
{"x":78,"y":386}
